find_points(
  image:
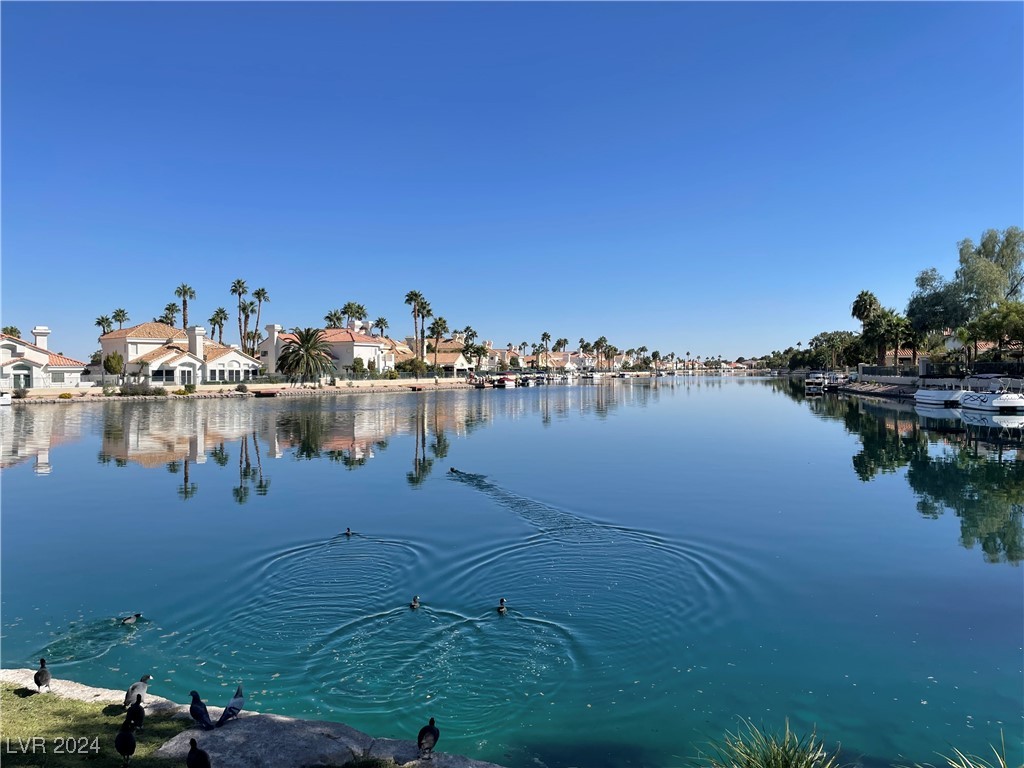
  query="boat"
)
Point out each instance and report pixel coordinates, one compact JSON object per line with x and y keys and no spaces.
{"x":5,"y":398}
{"x":938,"y":398}
{"x":505,"y":382}
{"x":814,"y":383}
{"x":527,"y":381}
{"x":997,"y":396}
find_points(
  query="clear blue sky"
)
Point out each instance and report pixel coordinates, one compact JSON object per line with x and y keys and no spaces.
{"x":719,"y":178}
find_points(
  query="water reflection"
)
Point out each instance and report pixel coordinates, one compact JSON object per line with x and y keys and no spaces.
{"x":970,"y":464}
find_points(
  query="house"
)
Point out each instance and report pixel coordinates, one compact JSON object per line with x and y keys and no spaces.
{"x":346,"y":346}
{"x":30,"y":365}
{"x":452,"y":363}
{"x":159,"y":354}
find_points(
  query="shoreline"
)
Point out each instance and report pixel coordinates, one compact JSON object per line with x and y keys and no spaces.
{"x":253,"y":739}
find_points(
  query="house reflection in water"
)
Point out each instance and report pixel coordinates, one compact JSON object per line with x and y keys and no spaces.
{"x":29,"y":434}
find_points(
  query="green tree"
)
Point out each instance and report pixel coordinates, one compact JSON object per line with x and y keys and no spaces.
{"x":184,"y":292}
{"x":413,"y":299}
{"x":240,"y":289}
{"x":349,"y":311}
{"x":438,"y":329}
{"x":12,"y":330}
{"x":113,"y":363}
{"x":249,"y":339}
{"x":217,"y":320}
{"x":864,"y":307}
{"x":120,"y":316}
{"x":170,"y":315}
{"x":381,"y":324}
{"x":425,"y":312}
{"x":993,"y":270}
{"x":1003,"y":324}
{"x":306,"y":356}
{"x":262,"y":297}
{"x":545,"y":339}
{"x":334,"y":319}
{"x":104,"y":323}
{"x":936,"y":304}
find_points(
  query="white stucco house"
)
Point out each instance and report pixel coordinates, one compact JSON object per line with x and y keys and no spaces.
{"x":346,"y":345}
{"x":31,"y":365}
{"x":161,"y":355}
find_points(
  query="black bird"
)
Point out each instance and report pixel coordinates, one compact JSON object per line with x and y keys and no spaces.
{"x":348,"y":531}
{"x":124,"y":742}
{"x":42,"y":676}
{"x":136,"y":713}
{"x":136,"y":689}
{"x":197,"y":758}
{"x":199,"y":712}
{"x":415,"y":602}
{"x":234,"y":707}
{"x":427,"y":739}
{"x":131,"y":619}
{"x":501,"y":607}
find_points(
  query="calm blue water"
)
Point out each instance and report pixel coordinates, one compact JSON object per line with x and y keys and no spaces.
{"x":675,"y":556}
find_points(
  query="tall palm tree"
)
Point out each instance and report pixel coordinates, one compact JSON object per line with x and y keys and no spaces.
{"x":240,"y":289}
{"x":307,"y":355}
{"x":425,"y":312}
{"x":120,"y":316}
{"x":349,"y":311}
{"x":864,"y":306}
{"x":438,"y":329}
{"x":583,"y":343}
{"x":545,"y":339}
{"x":261,"y":296}
{"x":184,"y":292}
{"x":217,"y":320}
{"x":105,"y":324}
{"x":170,"y":315}
{"x":248,"y":310}
{"x":334,"y":319}
{"x":413,"y":299}
{"x":381,"y":324}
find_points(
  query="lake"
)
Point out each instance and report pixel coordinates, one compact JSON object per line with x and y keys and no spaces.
{"x":676,"y":553}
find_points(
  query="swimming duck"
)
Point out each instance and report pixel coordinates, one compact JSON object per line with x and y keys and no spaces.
{"x":131,"y":619}
{"x":415,"y":602}
{"x":42,"y":676}
{"x":501,"y":607}
{"x":348,"y":531}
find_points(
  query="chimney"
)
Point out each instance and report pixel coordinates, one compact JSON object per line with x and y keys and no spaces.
{"x":272,"y":343}
{"x":41,"y":332}
{"x":196,"y":335}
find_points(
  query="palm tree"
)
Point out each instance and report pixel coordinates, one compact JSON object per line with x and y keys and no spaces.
{"x":240,"y":289}
{"x":184,"y":292}
{"x":307,"y":355}
{"x":120,"y":316}
{"x":261,"y":296}
{"x":350,"y":310}
{"x":413,"y":299}
{"x":425,"y":312}
{"x":334,"y":319}
{"x":545,"y":339}
{"x":864,"y":306}
{"x":217,"y":320}
{"x":170,"y":315}
{"x":248,"y":310}
{"x":438,"y":329}
{"x":381,"y":324}
{"x":105,"y":324}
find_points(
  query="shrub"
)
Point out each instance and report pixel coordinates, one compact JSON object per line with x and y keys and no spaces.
{"x":20,"y":392}
{"x":65,"y":396}
{"x":179,"y":392}
{"x":141,"y":390}
{"x":190,"y":389}
{"x":758,"y":748}
{"x":391,"y":374}
{"x":241,"y":388}
{"x":113,"y":363}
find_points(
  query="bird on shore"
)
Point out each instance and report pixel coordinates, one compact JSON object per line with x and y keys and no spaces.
{"x":124,"y":742}
{"x":197,"y":758}
{"x":199,"y":711}
{"x":131,"y":619}
{"x":501,"y":607}
{"x":234,"y":707}
{"x":136,"y":713}
{"x":42,"y":676}
{"x":426,"y":740}
{"x":415,"y":602}
{"x":137,"y":689}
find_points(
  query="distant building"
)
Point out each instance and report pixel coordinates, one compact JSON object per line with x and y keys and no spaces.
{"x":31,"y":365}
{"x":346,"y":346}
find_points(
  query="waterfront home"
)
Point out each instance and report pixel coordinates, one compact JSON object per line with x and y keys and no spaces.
{"x":346,"y":346}
{"x":25,"y":365}
{"x":162,"y":355}
{"x":452,"y":363}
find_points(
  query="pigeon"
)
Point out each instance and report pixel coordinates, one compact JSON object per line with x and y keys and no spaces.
{"x":124,"y":742}
{"x":426,"y":740}
{"x":199,"y":712}
{"x":42,"y":676}
{"x":136,"y":713}
{"x":234,"y":707}
{"x":131,"y":619}
{"x":137,"y":689}
{"x":415,"y":602}
{"x":197,"y":758}
{"x":501,"y":607}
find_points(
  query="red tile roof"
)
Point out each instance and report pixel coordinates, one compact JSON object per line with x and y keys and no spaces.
{"x":147,"y":331}
{"x":56,"y":360}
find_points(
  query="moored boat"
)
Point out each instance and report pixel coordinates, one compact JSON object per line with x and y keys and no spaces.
{"x":938,"y":398}
{"x":998,"y":396}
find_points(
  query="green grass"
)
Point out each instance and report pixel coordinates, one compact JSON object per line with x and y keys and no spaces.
{"x":89,"y":727}
{"x":960,"y":760}
{"x":758,"y":748}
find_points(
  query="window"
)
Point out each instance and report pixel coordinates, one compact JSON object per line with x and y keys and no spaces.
{"x":57,"y":378}
{"x":234,"y":375}
{"x":161,"y":375}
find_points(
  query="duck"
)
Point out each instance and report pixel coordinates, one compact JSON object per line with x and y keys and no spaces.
{"x":197,"y":758}
{"x":131,"y":619}
{"x":427,"y":738}
{"x":137,"y":689}
{"x":501,"y":607}
{"x":136,"y":713}
{"x":415,"y":602}
{"x":199,"y":711}
{"x":348,"y":532}
{"x":124,"y":742}
{"x":42,"y":676}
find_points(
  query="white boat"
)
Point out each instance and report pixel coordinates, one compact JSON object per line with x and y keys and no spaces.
{"x":5,"y":398}
{"x":814,"y":383}
{"x":938,"y":398}
{"x":505,"y":382}
{"x":998,"y":396}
